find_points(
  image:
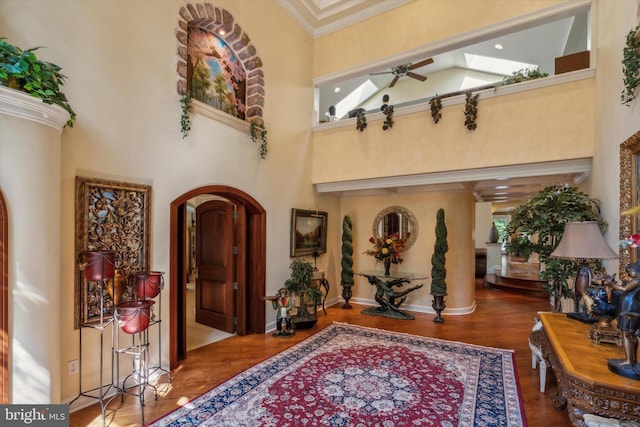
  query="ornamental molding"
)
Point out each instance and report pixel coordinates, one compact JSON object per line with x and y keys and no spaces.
{"x":22,"y":105}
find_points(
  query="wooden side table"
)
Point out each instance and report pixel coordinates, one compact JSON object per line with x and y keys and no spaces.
{"x":585,"y":384}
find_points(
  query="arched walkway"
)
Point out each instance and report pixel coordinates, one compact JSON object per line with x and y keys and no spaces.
{"x":250,"y":267}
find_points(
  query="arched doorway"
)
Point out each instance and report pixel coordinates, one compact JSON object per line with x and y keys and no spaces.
{"x":250,"y":266}
{"x":4,"y":301}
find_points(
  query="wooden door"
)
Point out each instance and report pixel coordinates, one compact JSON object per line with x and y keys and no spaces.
{"x":215,"y":297}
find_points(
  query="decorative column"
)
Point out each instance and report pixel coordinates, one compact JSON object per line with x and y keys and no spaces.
{"x":30,"y":178}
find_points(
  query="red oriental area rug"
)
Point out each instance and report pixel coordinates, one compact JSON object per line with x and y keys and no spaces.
{"x":349,"y":375}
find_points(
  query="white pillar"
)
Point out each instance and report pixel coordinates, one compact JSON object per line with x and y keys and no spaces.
{"x":30,"y":156}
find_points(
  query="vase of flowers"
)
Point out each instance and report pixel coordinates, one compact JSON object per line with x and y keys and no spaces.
{"x":388,"y":251}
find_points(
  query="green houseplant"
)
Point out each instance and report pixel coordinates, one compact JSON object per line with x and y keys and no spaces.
{"x":631,"y":66}
{"x":185,"y":119}
{"x":258,"y":131}
{"x":300,"y":283}
{"x":438,"y":270}
{"x":522,"y":76}
{"x":537,"y":227}
{"x":346,"y":263}
{"x":23,"y":71}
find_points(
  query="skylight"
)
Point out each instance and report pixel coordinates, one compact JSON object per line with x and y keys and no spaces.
{"x":495,"y":65}
{"x":355,"y":98}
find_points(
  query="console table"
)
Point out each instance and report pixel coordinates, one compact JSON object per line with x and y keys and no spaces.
{"x":585,"y":384}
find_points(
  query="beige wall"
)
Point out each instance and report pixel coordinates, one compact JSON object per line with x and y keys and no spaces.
{"x":409,"y":27}
{"x":614,"y":122}
{"x":459,"y":218}
{"x":552,"y":123}
{"x":120,"y":58}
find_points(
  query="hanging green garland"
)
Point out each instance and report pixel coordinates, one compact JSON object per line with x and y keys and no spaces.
{"x":631,"y":66}
{"x":185,"y":120}
{"x":361,"y":121}
{"x":258,"y":131}
{"x":388,"y":120}
{"x":471,"y":111}
{"x":436,"y":107}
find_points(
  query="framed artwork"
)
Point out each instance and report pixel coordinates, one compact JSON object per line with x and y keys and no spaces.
{"x":217,"y":77}
{"x":308,"y":232}
{"x":110,"y":216}
{"x":629,"y":197}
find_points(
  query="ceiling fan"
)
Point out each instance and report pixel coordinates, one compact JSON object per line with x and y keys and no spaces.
{"x":405,"y":70}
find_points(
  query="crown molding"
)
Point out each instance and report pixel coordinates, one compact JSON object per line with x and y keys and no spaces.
{"x":317,"y":21}
{"x":22,"y":105}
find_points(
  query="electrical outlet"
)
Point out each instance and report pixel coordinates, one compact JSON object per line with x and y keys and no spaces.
{"x":74,"y":367}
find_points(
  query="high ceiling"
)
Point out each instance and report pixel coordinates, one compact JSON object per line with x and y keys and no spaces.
{"x":319,"y":17}
{"x":535,"y":44}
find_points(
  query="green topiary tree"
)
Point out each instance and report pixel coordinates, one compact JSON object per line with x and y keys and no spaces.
{"x":346,"y":276}
{"x":440,"y":248}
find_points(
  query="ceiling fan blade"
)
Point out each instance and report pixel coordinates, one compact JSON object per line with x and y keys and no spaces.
{"x":380,"y":72}
{"x":394,"y":81}
{"x":420,"y":64}
{"x":416,"y":76}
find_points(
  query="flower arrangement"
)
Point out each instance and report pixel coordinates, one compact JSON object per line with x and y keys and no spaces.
{"x":390,"y":248}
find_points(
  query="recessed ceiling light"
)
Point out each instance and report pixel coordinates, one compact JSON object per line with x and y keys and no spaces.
{"x":337,"y":89}
{"x":221,"y":32}
{"x":498,"y":46}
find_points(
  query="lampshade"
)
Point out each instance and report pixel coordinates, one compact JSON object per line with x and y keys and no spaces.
{"x":583,"y":240}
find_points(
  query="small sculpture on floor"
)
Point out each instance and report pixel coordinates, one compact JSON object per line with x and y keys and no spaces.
{"x":283,"y":304}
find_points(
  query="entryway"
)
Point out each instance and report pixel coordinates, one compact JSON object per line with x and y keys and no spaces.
{"x":249,"y":242}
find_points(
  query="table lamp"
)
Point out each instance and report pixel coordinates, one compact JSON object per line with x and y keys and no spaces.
{"x":582,"y":241}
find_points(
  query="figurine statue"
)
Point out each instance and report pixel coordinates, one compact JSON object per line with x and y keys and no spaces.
{"x":283,"y":304}
{"x":629,"y":325}
{"x":386,"y":296}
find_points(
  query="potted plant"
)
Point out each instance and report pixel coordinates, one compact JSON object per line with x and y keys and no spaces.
{"x":543,"y":218}
{"x":23,"y":71}
{"x":438,"y":270}
{"x":346,"y":275}
{"x":301,"y":284}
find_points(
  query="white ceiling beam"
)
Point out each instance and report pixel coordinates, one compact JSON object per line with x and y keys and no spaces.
{"x":574,"y":166}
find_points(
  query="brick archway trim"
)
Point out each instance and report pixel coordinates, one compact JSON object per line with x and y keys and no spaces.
{"x":214,"y":19}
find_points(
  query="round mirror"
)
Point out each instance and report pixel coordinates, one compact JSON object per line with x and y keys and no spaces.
{"x":396,"y":219}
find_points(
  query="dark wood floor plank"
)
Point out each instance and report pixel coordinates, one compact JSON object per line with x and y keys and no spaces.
{"x":501,"y":319}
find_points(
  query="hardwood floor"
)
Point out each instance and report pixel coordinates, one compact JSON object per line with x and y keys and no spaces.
{"x":501,"y":319}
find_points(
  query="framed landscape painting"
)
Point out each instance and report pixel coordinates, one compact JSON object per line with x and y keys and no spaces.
{"x":308,"y":232}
